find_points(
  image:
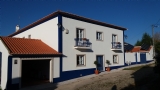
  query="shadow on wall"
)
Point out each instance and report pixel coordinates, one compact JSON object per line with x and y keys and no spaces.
{"x":118,"y":51}
{"x":144,"y":79}
{"x":85,"y":50}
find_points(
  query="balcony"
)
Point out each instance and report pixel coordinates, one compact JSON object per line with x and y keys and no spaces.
{"x":116,"y":46}
{"x":82,"y":43}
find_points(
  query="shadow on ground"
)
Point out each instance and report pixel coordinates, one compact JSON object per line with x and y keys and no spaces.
{"x":144,"y":79}
{"x":47,"y":86}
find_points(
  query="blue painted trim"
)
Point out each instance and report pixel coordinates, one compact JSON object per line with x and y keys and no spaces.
{"x":136,"y":58}
{"x":116,"y":67}
{"x":149,"y":61}
{"x":67,"y":75}
{"x":11,"y":86}
{"x":60,"y":47}
{"x":9,"y":75}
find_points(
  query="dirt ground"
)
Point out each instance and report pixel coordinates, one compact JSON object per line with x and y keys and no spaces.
{"x":136,"y":79}
{"x":141,"y":79}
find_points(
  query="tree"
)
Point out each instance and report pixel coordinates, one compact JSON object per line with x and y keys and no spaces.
{"x":157,"y":37}
{"x":157,"y":42}
{"x":146,"y":38}
{"x":138,"y":43}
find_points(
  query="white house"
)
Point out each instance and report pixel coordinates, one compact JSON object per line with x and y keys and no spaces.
{"x":80,"y":40}
{"x":138,"y":55}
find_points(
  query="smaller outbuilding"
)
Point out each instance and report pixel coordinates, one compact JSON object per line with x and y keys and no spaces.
{"x":138,"y":54}
{"x":25,"y":62}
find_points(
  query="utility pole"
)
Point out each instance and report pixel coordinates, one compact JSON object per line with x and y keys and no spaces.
{"x":153,"y":26}
{"x":153,"y":39}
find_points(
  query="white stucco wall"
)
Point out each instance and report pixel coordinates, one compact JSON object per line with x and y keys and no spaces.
{"x":16,"y":70}
{"x":4,"y":69}
{"x":149,"y":55}
{"x":130,"y":57}
{"x":56,"y":67}
{"x":98,"y":47}
{"x":47,"y":32}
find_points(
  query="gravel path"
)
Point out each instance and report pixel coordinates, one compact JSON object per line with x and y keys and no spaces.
{"x":121,"y":80}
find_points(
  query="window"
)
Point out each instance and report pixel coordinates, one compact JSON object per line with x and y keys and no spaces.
{"x":80,"y":60}
{"x":79,"y":33}
{"x":115,"y":58}
{"x":114,"y":38}
{"x":99,"y":35}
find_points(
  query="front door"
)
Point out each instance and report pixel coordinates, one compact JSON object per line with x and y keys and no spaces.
{"x":143,"y":57}
{"x":100,"y":61}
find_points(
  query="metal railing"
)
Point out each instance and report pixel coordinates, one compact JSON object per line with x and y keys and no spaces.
{"x":82,"y":42}
{"x":116,"y":45}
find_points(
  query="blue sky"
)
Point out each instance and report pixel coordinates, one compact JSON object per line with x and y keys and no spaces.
{"x":135,"y":15}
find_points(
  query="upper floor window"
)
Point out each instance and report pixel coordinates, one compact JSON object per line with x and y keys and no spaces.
{"x":79,"y":33}
{"x":114,"y":38}
{"x":115,"y":59}
{"x":80,"y":60}
{"x":99,"y":35}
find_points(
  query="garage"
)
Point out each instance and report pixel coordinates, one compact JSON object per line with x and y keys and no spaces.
{"x":26,"y":62}
{"x":35,"y":72}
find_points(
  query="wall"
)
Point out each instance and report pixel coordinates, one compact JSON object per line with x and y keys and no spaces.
{"x":47,"y":32}
{"x":130,"y":57}
{"x":98,"y":47}
{"x":149,"y":55}
{"x":16,"y":70}
{"x":4,"y":68}
{"x":56,"y":67}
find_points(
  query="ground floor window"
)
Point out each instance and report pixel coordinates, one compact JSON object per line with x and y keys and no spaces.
{"x":115,"y":58}
{"x":80,"y":60}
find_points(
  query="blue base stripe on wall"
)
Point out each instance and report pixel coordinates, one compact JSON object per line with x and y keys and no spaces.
{"x":67,"y":75}
{"x":73,"y":74}
{"x":116,"y":67}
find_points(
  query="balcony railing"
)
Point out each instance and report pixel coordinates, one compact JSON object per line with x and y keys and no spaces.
{"x":116,"y":46}
{"x":82,"y":43}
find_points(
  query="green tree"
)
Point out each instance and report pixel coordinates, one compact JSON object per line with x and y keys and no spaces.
{"x":146,"y":38}
{"x":138,"y":43}
{"x":157,"y":42}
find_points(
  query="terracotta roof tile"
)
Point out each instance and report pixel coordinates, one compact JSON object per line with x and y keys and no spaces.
{"x":25,"y":46}
{"x":138,"y":49}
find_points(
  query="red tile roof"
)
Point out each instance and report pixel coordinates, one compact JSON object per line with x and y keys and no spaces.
{"x":22,"y":46}
{"x":138,"y":49}
{"x":66,"y":14}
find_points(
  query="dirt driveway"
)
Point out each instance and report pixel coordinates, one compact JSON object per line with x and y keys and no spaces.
{"x":119,"y":79}
{"x":115,"y":80}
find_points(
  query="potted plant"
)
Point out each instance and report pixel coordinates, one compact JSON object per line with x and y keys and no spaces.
{"x":96,"y":63}
{"x":84,"y":38}
{"x":118,"y":43}
{"x":108,"y":63}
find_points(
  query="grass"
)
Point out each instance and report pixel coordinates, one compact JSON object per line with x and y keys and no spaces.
{"x":136,"y":68}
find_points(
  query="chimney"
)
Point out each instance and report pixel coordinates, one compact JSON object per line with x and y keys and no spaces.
{"x":17,"y":28}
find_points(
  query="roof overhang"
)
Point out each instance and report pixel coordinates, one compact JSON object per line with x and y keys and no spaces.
{"x":65,"y":14}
